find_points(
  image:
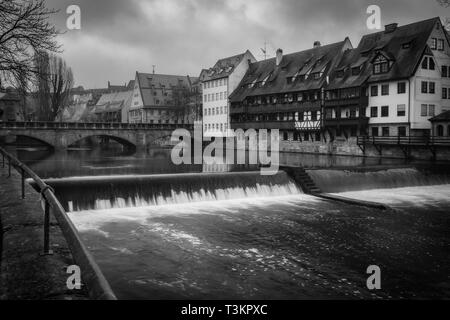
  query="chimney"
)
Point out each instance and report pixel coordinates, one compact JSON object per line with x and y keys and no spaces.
{"x":279,"y":56}
{"x":316,"y":44}
{"x":390,"y":27}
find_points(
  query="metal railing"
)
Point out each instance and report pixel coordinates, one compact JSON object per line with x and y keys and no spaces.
{"x":404,"y":141}
{"x":97,"y":285}
{"x":93,"y":125}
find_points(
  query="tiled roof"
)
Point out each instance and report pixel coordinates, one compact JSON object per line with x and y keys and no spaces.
{"x":224,"y":67}
{"x":150,"y":84}
{"x":405,"y":60}
{"x":444,"y":116}
{"x":112,"y":101}
{"x":276,"y":77}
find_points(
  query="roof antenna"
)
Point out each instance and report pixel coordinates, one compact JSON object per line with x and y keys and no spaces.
{"x":153,"y":68}
{"x":264,"y":51}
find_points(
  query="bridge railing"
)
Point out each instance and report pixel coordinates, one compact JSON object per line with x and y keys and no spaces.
{"x":404,"y":141}
{"x":93,"y":125}
{"x":97,"y":285}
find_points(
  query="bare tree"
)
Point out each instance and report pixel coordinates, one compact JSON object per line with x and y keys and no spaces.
{"x":24,"y":30}
{"x":444,"y":3}
{"x":54,"y":84}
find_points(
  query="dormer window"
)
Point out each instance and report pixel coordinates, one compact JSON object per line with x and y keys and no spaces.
{"x":316,"y":75}
{"x":253,"y":83}
{"x":355,"y":71}
{"x":340,"y":74}
{"x":380,"y":65}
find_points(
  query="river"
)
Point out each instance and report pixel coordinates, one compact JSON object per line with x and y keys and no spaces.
{"x":188,"y":232}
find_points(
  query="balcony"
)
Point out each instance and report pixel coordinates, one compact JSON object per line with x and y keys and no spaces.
{"x":282,"y":125}
{"x":354,"y":121}
{"x":278,"y":107}
{"x":360,"y":101}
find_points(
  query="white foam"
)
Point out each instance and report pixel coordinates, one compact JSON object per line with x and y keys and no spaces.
{"x":410,"y":196}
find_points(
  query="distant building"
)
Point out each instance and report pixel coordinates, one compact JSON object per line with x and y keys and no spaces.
{"x":113,"y":107}
{"x":286,"y":92}
{"x":392,"y":83}
{"x":164,"y":99}
{"x":9,"y":106}
{"x":218,"y":83}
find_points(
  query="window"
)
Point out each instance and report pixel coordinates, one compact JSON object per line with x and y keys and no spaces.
{"x":285,"y":136}
{"x":440,"y":45}
{"x":380,"y":65}
{"x":440,"y":131}
{"x":385,"y":111}
{"x":423,"y":110}
{"x":401,"y":87}
{"x":375,"y":131}
{"x":401,"y":110}
{"x":425,"y":63}
{"x":444,"y":72}
{"x":376,"y":69}
{"x":385,"y":131}
{"x":431,"y":87}
{"x":433,"y":43}
{"x":317,"y":137}
{"x":424,"y":87}
{"x":402,"y":131}
{"x":374,"y":112}
{"x":431,"y":110}
{"x":340,"y":74}
{"x":374,"y":91}
{"x":444,"y":93}
{"x":385,"y":90}
{"x":355,"y":71}
{"x":431,"y":64}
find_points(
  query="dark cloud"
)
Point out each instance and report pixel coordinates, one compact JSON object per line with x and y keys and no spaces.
{"x":119,"y":37}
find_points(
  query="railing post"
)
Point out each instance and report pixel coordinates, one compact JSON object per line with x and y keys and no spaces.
{"x":9,"y":168}
{"x":47,"y":250}
{"x":3,"y":161}
{"x":23,"y":182}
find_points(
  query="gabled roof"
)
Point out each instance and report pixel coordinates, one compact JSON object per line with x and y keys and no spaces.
{"x":224,"y":67}
{"x":109,"y":98}
{"x":298,"y":63}
{"x":444,"y":116}
{"x":150,"y":83}
{"x":390,"y":45}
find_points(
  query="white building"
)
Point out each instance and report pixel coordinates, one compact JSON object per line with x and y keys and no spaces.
{"x":410,"y":80}
{"x":220,"y":82}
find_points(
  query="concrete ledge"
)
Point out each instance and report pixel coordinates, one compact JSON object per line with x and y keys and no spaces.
{"x":361,"y":203}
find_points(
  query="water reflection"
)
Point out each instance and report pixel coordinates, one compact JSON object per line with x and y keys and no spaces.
{"x":115,"y":160}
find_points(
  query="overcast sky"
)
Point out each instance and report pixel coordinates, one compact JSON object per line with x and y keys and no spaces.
{"x":119,"y":37}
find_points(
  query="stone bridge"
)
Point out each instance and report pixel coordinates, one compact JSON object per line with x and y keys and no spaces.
{"x":61,"y":135}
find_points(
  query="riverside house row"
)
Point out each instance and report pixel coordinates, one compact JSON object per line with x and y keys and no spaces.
{"x":392,"y":84}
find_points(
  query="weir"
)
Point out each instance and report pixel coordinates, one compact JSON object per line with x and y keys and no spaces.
{"x":335,"y":181}
{"x":95,"y":193}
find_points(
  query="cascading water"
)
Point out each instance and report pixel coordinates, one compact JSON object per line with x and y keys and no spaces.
{"x":87,"y":193}
{"x":355,"y":180}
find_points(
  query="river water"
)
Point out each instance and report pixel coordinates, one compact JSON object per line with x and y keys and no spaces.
{"x":235,"y":236}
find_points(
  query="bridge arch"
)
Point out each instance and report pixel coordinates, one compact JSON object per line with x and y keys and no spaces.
{"x":32,"y":136}
{"x":122,"y":140}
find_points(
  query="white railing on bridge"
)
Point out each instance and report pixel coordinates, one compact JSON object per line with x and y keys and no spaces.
{"x":93,"y":125}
